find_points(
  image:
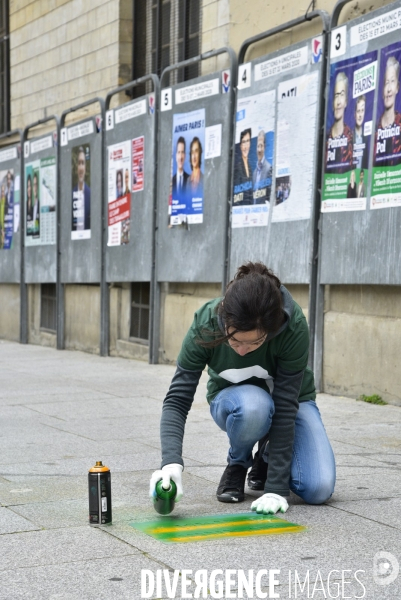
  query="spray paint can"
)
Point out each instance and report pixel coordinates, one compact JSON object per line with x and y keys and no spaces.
{"x":164,"y":500}
{"x":99,"y":483}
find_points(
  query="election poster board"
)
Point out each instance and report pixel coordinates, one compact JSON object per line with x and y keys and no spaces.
{"x":194,"y":183}
{"x":39,"y":207}
{"x":10,"y":212}
{"x":274,"y":190}
{"x":82,"y":188}
{"x":361,"y":205}
{"x":129,"y":164}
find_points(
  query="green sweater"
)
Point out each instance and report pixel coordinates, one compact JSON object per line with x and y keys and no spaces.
{"x":279,"y":366}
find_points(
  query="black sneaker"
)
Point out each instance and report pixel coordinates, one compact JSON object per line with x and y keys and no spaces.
{"x":258,"y":474}
{"x":232,"y":484}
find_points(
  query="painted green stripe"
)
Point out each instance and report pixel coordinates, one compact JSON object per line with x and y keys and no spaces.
{"x":221,"y":535}
{"x":218,"y":527}
{"x":233,"y":523}
{"x":174,"y":529}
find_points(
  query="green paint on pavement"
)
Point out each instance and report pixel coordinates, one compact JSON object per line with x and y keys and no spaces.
{"x":213,"y":527}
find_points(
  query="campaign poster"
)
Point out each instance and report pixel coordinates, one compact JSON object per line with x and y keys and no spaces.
{"x":32,"y":202}
{"x":386,"y":179}
{"x":40,"y":202}
{"x":295,"y":147}
{"x":119,"y":193}
{"x":138,"y":151}
{"x":9,"y":199}
{"x":187,"y":168}
{"x":81,"y":192}
{"x":349,"y":131}
{"x":48,"y":192}
{"x":253,"y":161}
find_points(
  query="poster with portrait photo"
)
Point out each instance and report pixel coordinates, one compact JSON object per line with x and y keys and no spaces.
{"x":187,"y":168}
{"x":253,"y":161}
{"x":81,"y":192}
{"x":138,"y":170}
{"x":9,"y":198}
{"x":294,"y":170}
{"x":119,"y":193}
{"x":40,"y":202}
{"x":48,"y":191}
{"x":349,"y":130}
{"x":386,"y":178}
{"x":32,"y":203}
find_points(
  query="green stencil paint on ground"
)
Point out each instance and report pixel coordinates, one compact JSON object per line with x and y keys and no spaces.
{"x":213,"y":527}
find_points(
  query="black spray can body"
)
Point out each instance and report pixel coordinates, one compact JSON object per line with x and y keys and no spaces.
{"x":99,"y":482}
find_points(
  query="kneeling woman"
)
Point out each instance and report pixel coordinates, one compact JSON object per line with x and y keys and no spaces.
{"x":255,"y":342}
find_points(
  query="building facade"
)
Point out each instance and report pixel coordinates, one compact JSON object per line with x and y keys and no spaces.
{"x":62,"y":53}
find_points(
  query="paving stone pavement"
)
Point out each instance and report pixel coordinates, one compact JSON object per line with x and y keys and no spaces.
{"x":61,"y":411}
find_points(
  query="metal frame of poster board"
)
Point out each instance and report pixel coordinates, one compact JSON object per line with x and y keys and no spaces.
{"x":10,"y":158}
{"x":275,"y":205}
{"x":358,"y":243}
{"x":82,"y":217}
{"x":39,"y":244}
{"x":11,"y":271}
{"x":359,"y":239}
{"x":192,"y":216}
{"x":130,"y":142}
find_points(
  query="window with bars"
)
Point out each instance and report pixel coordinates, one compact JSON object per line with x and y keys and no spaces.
{"x":48,"y":318}
{"x":140,"y":306}
{"x":4,"y":67}
{"x":166,"y":32}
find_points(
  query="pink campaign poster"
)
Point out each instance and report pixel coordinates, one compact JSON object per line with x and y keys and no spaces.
{"x":138,"y":150}
{"x":119,"y":194}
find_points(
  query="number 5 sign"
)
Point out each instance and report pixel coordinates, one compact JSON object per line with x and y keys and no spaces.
{"x":338,"y":41}
{"x":166,"y":99}
{"x":244,"y":76}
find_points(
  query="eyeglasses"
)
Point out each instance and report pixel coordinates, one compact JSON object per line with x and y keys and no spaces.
{"x":233,"y":343}
{"x":339,"y":94}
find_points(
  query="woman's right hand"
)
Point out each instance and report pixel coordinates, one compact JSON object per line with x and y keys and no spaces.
{"x":167,"y":473}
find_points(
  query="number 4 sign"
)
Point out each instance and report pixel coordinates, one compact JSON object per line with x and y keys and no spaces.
{"x":338,"y":41}
{"x":244,"y":76}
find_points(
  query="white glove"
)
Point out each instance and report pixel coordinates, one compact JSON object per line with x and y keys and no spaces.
{"x":270,"y":504}
{"x":167,"y":473}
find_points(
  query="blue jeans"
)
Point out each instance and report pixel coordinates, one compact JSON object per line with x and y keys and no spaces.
{"x":245,"y":412}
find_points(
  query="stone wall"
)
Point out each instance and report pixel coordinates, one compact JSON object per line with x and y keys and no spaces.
{"x":62,"y":53}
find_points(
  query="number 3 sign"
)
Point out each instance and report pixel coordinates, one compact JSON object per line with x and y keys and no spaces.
{"x":338,"y":41}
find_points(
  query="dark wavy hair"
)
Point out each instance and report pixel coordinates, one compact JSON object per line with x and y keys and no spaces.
{"x":252,"y":300}
{"x":244,"y":133}
{"x":196,"y":140}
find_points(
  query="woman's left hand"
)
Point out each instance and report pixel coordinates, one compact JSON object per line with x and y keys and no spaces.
{"x":270,"y":504}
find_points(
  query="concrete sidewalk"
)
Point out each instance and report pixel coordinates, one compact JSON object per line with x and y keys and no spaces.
{"x":62,"y":411}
